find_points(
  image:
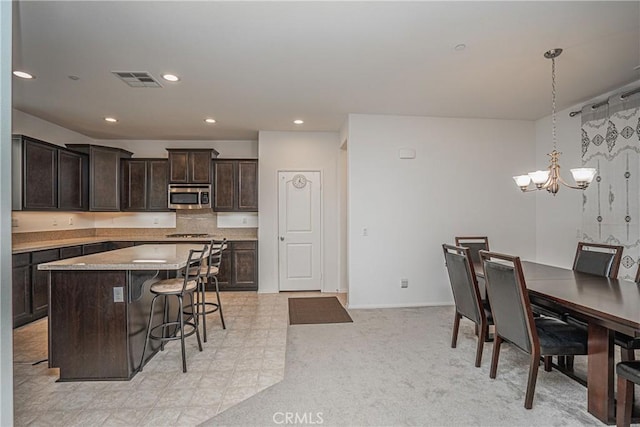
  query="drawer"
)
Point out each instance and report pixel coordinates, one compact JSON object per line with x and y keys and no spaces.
{"x":94,"y":248}
{"x":40,"y":257}
{"x":244,"y":245}
{"x":18,"y":260}
{"x":70,"y":252}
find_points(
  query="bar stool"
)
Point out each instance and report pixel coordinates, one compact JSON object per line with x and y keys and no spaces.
{"x":209,"y":273}
{"x":178,"y":287}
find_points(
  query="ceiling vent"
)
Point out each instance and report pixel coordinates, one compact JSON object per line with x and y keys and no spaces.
{"x":137,"y":78}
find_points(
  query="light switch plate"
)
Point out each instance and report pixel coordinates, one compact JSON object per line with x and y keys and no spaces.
{"x":118,"y":294}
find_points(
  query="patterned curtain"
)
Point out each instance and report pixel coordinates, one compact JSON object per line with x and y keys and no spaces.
{"x":611,"y":204}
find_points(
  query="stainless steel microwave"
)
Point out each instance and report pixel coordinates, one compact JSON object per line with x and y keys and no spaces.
{"x":189,"y":196}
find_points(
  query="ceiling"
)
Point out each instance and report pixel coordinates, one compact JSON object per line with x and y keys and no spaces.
{"x":259,"y":65}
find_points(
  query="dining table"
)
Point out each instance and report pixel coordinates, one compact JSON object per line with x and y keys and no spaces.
{"x":606,"y":305}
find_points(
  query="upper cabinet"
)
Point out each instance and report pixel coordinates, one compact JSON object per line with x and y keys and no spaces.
{"x":144,"y":184}
{"x":47,"y":176}
{"x":104,"y":175}
{"x":235,"y":185}
{"x":191,"y":166}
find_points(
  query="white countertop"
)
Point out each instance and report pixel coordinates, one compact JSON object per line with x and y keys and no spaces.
{"x":143,"y":257}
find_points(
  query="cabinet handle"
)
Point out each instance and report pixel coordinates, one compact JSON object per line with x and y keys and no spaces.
{"x":282,"y":238}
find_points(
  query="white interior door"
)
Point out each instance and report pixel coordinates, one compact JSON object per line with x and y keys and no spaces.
{"x":299,"y":225}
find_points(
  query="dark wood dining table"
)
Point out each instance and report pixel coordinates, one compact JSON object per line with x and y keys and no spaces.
{"x":607,"y":305}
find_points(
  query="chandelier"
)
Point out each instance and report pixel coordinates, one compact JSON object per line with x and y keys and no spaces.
{"x":550,"y":179}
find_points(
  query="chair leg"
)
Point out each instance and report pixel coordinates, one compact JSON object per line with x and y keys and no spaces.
{"x":481,"y":338}
{"x":625,"y":402}
{"x":569,"y":362}
{"x":215,"y":279}
{"x":531,"y":383}
{"x":146,"y":339}
{"x":547,"y":363}
{"x":456,"y":326}
{"x":497,"y":340}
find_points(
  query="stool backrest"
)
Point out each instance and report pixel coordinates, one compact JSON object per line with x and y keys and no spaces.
{"x":215,"y":254}
{"x":194,"y":264}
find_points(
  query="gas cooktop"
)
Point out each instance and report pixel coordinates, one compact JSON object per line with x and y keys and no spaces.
{"x":188,"y":235}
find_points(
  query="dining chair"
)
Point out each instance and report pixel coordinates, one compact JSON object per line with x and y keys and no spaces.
{"x":475,"y":245}
{"x":598,"y":259}
{"x":466,"y":295}
{"x":628,"y":375}
{"x":178,"y":287}
{"x":514,"y":322}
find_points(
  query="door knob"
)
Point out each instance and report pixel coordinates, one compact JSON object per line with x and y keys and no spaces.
{"x":282,"y":238}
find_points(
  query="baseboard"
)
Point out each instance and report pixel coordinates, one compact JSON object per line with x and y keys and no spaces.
{"x":400,"y":305}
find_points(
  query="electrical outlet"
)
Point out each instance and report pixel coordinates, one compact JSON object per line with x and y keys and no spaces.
{"x":54,"y":222}
{"x":156,"y":220}
{"x":404,"y":283}
{"x":365,"y":232}
{"x":70,"y":220}
{"x":118,"y":294}
{"x":14,"y":223}
{"x":244,"y":220}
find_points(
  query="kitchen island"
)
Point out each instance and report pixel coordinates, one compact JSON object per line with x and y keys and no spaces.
{"x":99,"y":306}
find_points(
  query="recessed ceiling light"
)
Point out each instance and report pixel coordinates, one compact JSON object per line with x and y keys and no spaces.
{"x":460,"y":47}
{"x":210,"y":120}
{"x":75,"y":78}
{"x":23,"y":74}
{"x":637,"y":68}
{"x":110,"y":119}
{"x":298,"y":122}
{"x":170,"y":77}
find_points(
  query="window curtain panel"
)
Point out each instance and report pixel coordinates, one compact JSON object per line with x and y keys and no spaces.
{"x":611,"y":204}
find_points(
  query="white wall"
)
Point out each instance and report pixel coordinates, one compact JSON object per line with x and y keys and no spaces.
{"x":26,"y":124}
{"x":459,"y":184}
{"x":6,"y":318}
{"x":297,"y":151}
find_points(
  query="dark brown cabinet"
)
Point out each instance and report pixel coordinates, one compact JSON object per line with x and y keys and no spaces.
{"x":21,"y":280}
{"x":73,"y":181}
{"x":144,"y":184}
{"x":190,"y":166}
{"x":239,"y":267}
{"x":104,"y":175}
{"x":48,"y":177}
{"x":40,"y":282}
{"x":235,"y":185}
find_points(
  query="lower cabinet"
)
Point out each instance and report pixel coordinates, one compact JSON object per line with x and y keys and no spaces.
{"x":239,"y":267}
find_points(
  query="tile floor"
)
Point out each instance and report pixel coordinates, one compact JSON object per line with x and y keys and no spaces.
{"x":236,"y":363}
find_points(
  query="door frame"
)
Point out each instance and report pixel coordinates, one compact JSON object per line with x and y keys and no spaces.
{"x":320,"y":171}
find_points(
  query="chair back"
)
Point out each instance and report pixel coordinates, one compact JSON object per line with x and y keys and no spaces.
{"x":215,"y":254}
{"x":194,"y":263}
{"x":463,"y":283}
{"x":510,"y":306}
{"x":475,"y":245}
{"x":598,"y":259}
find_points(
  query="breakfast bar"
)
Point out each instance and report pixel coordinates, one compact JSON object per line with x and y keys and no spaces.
{"x":99,"y":305}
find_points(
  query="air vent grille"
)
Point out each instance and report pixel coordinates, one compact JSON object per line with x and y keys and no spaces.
{"x":137,"y":78}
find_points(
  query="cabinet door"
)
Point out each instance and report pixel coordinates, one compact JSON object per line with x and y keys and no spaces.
{"x":21,"y":286}
{"x":247,"y":185}
{"x":104,"y":192}
{"x":39,"y":176}
{"x":94,"y":248}
{"x":40,"y":282}
{"x":245,"y":262}
{"x":157,"y":185}
{"x":200,"y":167}
{"x":224,"y":274}
{"x":224,"y":186}
{"x":72,"y":181}
{"x":134,"y":185}
{"x":70,"y":252}
{"x":178,"y":167}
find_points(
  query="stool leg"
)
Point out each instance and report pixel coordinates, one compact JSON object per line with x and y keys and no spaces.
{"x":146,"y":339}
{"x":165,"y":319}
{"x":196,"y":321}
{"x":215,"y":278}
{"x":181,"y":319}
{"x":202,"y":289}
